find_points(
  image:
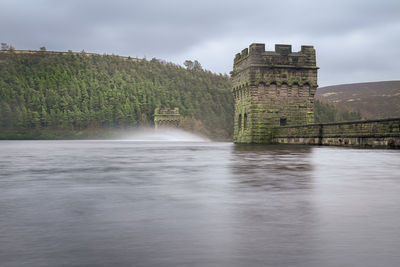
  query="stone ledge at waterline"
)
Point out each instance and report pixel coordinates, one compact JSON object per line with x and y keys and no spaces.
{"x":368,"y":133}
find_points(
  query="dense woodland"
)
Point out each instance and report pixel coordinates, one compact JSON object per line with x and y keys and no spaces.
{"x":77,"y":95}
{"x":79,"y":92}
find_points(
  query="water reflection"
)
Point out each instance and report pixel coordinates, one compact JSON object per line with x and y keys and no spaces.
{"x":272,"y":168}
{"x":274,"y":213}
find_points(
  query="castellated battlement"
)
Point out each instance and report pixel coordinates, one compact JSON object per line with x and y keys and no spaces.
{"x":282,"y":56}
{"x":254,"y":65}
{"x":166,"y":111}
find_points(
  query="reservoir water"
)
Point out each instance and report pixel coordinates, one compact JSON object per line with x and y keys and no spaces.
{"x":184,"y":203}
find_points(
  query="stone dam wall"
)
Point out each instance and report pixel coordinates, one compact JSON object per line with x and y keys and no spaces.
{"x":383,"y":133}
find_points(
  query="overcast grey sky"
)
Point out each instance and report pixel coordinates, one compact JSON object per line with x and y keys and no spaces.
{"x":355,"y":40}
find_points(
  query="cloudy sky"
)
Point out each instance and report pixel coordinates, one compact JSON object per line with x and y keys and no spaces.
{"x":356,"y":40}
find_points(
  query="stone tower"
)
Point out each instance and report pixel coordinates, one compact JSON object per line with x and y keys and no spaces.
{"x":166,"y":118}
{"x":272,"y":89}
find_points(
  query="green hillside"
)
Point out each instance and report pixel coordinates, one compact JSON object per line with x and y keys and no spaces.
{"x":74,"y":95}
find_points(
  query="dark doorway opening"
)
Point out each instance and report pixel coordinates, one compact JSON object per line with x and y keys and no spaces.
{"x":283,"y":121}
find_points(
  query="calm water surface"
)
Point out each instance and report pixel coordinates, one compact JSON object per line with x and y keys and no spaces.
{"x":126,"y":203}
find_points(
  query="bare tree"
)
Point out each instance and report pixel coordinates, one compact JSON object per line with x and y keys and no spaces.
{"x":197,"y":65}
{"x":188,"y":64}
{"x":11,"y":48}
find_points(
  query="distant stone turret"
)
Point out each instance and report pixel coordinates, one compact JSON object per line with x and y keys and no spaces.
{"x":168,"y":118}
{"x":272,"y":88}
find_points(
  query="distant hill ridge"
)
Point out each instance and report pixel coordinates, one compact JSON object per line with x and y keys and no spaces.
{"x":374,"y":100}
{"x":27,"y":52}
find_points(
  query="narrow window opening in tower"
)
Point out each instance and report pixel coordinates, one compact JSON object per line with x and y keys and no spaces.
{"x":240,"y":122}
{"x":283,"y":121}
{"x":245,"y":121}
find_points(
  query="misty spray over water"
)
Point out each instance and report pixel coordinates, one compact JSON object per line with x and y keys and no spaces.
{"x":163,"y":135}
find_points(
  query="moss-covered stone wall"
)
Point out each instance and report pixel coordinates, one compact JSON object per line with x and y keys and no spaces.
{"x":369,"y":133}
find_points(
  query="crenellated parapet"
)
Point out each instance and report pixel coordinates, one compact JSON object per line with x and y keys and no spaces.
{"x":166,"y":111}
{"x":278,"y":66}
{"x":281,"y":56}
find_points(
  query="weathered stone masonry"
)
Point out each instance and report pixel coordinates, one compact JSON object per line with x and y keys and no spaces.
{"x":274,"y":103}
{"x":369,"y":133}
{"x":166,"y":118}
{"x":272,"y":88}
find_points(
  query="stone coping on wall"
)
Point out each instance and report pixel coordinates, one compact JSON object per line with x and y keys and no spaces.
{"x":340,"y":135}
{"x":340,"y":123}
{"x":366,"y":133}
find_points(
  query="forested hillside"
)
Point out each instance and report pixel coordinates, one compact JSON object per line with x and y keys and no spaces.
{"x":76,"y":94}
